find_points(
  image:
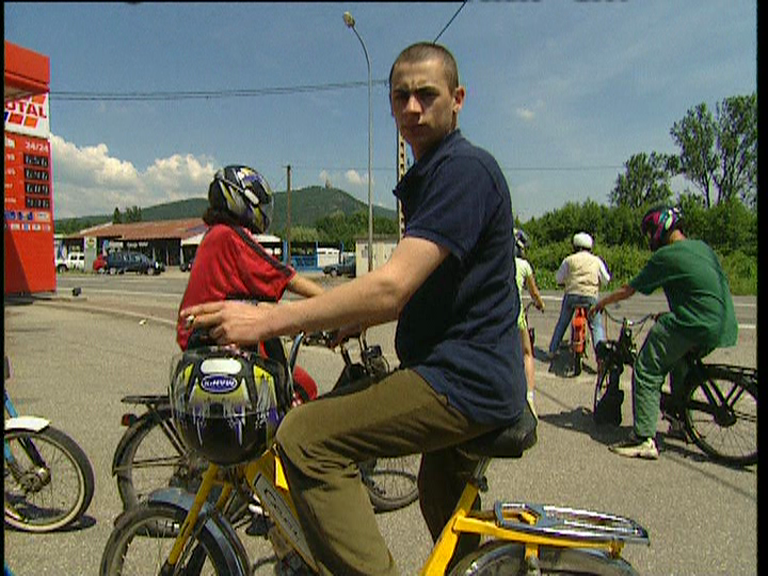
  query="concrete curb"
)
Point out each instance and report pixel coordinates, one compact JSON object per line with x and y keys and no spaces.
{"x":80,"y":304}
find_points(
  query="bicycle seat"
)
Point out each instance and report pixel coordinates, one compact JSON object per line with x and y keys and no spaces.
{"x":506,"y":442}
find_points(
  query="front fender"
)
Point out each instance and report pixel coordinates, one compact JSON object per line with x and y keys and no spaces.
{"x":219,"y":528}
{"x":33,"y":423}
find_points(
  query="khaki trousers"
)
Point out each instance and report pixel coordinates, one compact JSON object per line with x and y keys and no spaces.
{"x":320,"y":442}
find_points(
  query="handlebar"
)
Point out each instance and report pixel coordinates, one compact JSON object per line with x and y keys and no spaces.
{"x":631,"y":323}
{"x":531,"y":303}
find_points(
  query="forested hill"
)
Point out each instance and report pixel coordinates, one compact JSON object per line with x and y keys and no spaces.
{"x":308,"y":205}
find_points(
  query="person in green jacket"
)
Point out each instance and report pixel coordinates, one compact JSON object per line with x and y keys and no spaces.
{"x":700,"y":319}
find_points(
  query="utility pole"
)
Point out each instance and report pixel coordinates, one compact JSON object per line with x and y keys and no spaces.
{"x":288,"y":216}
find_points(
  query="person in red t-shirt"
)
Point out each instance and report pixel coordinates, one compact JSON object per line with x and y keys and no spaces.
{"x":230,"y":264}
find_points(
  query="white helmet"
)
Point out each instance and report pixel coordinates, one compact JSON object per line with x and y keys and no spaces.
{"x":582,"y":240}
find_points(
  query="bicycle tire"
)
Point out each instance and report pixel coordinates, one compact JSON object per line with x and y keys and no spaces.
{"x":577,"y":364}
{"x":508,"y":558}
{"x":152,"y":526}
{"x":67,"y":481}
{"x":578,"y":343}
{"x":608,"y":410}
{"x":601,"y":386}
{"x":391,"y":482}
{"x":161,"y":464}
{"x":729,"y":434}
{"x":146,"y":459}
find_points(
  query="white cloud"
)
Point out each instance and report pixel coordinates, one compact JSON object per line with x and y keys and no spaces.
{"x":88,"y":181}
{"x":180,"y":176}
{"x":525,"y":113}
{"x":355,"y":178}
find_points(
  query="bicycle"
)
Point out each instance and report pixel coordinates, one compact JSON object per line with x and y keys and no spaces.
{"x":152,"y":455}
{"x":197,"y":538}
{"x":48,"y":478}
{"x":580,"y":327}
{"x":716,"y":406}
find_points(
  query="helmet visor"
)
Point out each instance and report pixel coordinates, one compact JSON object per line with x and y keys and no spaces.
{"x":259,"y":194}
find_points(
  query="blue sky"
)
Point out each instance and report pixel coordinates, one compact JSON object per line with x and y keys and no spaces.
{"x":562,"y":92}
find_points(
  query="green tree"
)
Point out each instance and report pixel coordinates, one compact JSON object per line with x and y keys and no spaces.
{"x":645,"y":181}
{"x":117,"y":218}
{"x":719,"y":154}
{"x":304,"y":234}
{"x":695,"y":135}
{"x":133,"y":214}
{"x":737,"y":146}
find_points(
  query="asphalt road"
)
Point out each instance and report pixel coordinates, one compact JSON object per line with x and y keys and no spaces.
{"x":73,"y":358}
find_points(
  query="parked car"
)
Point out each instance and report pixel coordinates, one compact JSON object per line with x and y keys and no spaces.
{"x":73,"y":261}
{"x":347,"y":267}
{"x":126,"y":261}
{"x":186,"y":266}
{"x":100,"y":264}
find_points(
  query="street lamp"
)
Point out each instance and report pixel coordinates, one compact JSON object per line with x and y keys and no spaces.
{"x":350,"y":22}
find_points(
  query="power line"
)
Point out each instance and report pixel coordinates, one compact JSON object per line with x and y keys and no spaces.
{"x":175,"y":95}
{"x":449,"y":22}
{"x":206,"y":94}
{"x":595,"y":167}
{"x":560,"y":168}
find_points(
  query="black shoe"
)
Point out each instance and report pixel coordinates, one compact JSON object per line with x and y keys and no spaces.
{"x":259,"y":525}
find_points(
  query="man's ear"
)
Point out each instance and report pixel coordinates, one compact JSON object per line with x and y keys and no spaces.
{"x":458,"y":98}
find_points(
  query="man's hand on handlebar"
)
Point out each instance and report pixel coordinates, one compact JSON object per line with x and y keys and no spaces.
{"x":229,"y":321}
{"x":333,"y":338}
{"x":345,"y":333}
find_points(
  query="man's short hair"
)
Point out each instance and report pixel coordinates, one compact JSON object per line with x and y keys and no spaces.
{"x":422,"y":51}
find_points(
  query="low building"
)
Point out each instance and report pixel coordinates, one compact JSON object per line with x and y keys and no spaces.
{"x":174,"y":242}
{"x":382,"y":248}
{"x":161,"y":240}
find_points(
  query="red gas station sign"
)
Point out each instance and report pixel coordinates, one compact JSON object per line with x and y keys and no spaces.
{"x":28,"y":195}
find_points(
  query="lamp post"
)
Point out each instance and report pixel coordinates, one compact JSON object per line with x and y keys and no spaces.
{"x":350,"y":22}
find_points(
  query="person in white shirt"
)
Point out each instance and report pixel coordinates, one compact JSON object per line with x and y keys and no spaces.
{"x":581,"y":273}
{"x":524,"y":278}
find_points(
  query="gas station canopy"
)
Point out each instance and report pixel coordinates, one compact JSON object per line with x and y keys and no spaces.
{"x":27,"y":73}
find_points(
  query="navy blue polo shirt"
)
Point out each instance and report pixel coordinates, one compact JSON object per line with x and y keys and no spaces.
{"x":459,"y":330}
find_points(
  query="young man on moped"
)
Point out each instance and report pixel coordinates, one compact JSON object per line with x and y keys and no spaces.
{"x":448,"y":286}
{"x":700,"y":319}
{"x":582,"y":273}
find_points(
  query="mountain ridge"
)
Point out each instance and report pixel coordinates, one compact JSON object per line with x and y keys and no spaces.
{"x":308,"y":205}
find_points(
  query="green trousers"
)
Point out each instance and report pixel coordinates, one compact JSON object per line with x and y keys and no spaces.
{"x":320,"y":442}
{"x":662,"y":353}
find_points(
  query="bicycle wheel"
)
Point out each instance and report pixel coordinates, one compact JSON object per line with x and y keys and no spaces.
{"x":577,"y":363}
{"x":151,"y":455}
{"x":143,"y":538}
{"x":48,"y":480}
{"x":721,"y":414}
{"x":391,"y":482}
{"x":608,"y":396}
{"x":578,"y":339}
{"x":508,"y":559}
